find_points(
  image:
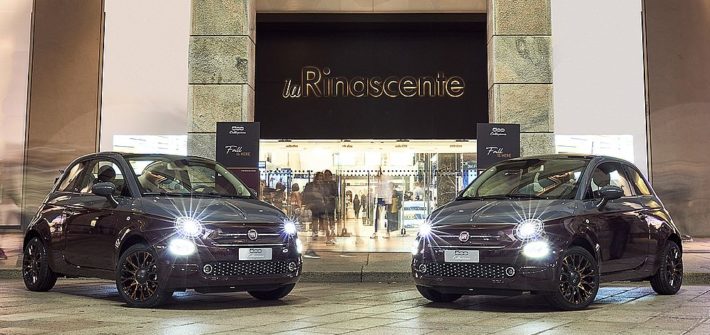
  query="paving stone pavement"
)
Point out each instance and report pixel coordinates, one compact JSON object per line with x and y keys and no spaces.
{"x":78,"y":306}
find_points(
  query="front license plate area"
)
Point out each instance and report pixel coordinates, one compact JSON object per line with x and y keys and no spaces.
{"x":255,"y":254}
{"x":461,"y":256}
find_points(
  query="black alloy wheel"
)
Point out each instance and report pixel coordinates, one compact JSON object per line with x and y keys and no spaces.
{"x":36,"y":273}
{"x":436,"y":296}
{"x":669,"y":276}
{"x":578,"y":280}
{"x":275,"y":294}
{"x":137,"y":277}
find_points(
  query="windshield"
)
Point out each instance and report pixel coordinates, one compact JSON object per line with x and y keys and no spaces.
{"x":532,"y":178}
{"x":185,"y":177}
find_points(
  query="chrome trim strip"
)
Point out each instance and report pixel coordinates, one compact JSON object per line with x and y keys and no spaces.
{"x":470,"y":247}
{"x":238,"y":234}
{"x":493,"y":237}
{"x":249,"y":245}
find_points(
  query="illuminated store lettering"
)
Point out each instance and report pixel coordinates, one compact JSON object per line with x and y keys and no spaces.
{"x":318,"y":83}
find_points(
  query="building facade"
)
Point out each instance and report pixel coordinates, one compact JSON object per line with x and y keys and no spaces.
{"x":130,"y":75}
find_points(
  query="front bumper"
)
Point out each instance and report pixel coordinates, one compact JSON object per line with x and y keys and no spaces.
{"x":227,"y":272}
{"x":499,"y":271}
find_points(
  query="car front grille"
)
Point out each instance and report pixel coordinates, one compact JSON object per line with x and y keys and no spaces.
{"x":248,"y":268}
{"x":465,"y":270}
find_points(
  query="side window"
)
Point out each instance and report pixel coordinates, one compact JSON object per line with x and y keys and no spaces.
{"x":608,"y":174}
{"x":103,"y":171}
{"x":69,"y":183}
{"x":639,"y":183}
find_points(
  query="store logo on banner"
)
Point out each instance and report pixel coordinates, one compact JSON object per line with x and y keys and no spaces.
{"x":237,"y":130}
{"x":318,"y":83}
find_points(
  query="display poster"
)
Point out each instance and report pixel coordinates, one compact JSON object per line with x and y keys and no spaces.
{"x":237,"y":148}
{"x":413,"y":214}
{"x":497,"y":142}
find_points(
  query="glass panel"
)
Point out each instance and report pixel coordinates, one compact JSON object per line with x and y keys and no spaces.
{"x":383,"y":189}
{"x":609,"y":174}
{"x":639,"y":183}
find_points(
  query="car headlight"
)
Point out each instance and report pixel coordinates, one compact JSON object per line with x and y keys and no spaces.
{"x":189,"y":227}
{"x":299,"y":246}
{"x":425,"y":229}
{"x":181,"y":247}
{"x":415,"y":247}
{"x":536,"y":249}
{"x":529,"y":229}
{"x":290,"y":228}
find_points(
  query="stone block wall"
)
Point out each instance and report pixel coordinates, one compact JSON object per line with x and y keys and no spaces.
{"x":221,"y":74}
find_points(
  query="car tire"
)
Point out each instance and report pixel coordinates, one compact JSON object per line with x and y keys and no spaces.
{"x":273,"y":294}
{"x":436,"y":296}
{"x":36,"y":273}
{"x":669,"y":277}
{"x":577,"y":281}
{"x":137,"y":278}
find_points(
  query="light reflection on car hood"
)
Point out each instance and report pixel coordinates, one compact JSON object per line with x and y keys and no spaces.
{"x":501,"y":211}
{"x":213,"y":209}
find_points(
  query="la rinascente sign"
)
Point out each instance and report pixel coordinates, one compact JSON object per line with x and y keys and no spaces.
{"x":369,"y":76}
{"x":322,"y":83}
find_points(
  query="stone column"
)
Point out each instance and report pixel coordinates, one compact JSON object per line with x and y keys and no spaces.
{"x":520,"y":71}
{"x":221,"y":74}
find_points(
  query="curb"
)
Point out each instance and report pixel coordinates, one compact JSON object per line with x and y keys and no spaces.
{"x":690,"y":278}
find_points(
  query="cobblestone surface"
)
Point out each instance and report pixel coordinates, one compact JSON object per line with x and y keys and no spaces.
{"x":78,"y":306}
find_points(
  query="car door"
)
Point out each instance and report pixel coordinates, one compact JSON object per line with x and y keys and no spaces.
{"x":92,"y":221}
{"x":621,"y":233}
{"x":55,"y":210}
{"x":651,"y":212}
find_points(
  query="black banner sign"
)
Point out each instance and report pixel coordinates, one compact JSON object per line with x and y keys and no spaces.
{"x":497,"y":142}
{"x":364,"y":76}
{"x":238,"y":144}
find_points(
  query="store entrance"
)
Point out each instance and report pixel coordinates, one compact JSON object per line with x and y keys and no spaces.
{"x":379,"y":192}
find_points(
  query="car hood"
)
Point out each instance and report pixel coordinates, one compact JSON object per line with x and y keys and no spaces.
{"x":501,"y":211}
{"x":213,"y":209}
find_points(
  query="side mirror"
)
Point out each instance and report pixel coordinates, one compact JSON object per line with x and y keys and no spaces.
{"x":253,"y":192}
{"x":609,"y":192}
{"x":105,"y":190}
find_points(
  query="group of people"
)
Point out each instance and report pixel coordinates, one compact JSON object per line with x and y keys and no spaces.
{"x":320,"y":197}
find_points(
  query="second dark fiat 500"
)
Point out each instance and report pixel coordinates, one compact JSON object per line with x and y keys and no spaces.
{"x":554,"y":225}
{"x":157,"y":224}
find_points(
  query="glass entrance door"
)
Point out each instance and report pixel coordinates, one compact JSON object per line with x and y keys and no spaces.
{"x":382,"y":191}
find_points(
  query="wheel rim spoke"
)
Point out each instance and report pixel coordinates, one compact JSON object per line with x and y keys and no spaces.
{"x":139,"y":276}
{"x":578,"y":280}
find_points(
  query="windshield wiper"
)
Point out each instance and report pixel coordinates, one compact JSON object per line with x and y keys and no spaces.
{"x":524,"y":196}
{"x":167,"y":194}
{"x":482,"y":197}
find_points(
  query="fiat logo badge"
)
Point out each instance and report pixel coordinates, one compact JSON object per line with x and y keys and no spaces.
{"x":464,"y":236}
{"x":252,"y":234}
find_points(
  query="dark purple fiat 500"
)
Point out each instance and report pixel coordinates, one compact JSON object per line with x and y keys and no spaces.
{"x":552,"y":225}
{"x":157,"y":224}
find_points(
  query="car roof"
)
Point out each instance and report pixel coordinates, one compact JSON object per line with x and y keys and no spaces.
{"x":128,"y":155}
{"x":596,"y":158}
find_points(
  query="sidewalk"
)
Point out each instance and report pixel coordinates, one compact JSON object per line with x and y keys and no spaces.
{"x":342,"y":265}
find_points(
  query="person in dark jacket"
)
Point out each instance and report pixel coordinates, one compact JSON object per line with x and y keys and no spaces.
{"x":313,"y":198}
{"x":356,"y":206}
{"x":330,"y":193}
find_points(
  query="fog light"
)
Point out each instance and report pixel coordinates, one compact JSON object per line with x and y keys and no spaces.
{"x":422,"y":268}
{"x":536,"y":249}
{"x":510,"y":271}
{"x":292,"y":266}
{"x":207,"y":269}
{"x":181,"y":247}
